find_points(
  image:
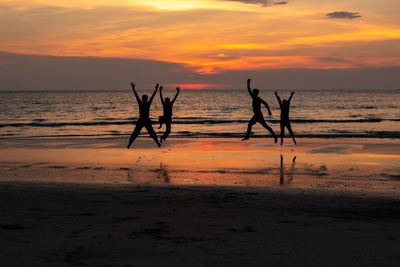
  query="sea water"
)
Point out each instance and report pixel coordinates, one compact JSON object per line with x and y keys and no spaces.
{"x":208,"y":113}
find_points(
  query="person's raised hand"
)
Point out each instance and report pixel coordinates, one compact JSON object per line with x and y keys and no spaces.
{"x":133,"y":85}
{"x":157,"y":85}
{"x":178,"y":89}
{"x":276,"y":93}
{"x":292,"y":93}
{"x":161,"y":87}
{"x":248,"y":80}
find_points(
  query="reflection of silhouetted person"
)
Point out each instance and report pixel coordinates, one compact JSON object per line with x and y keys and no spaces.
{"x":164,"y":174}
{"x":258,"y":116}
{"x":167,"y":113}
{"x":285,"y":122}
{"x":144,"y":119}
{"x":282,"y":171}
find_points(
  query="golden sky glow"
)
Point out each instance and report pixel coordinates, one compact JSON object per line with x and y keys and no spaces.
{"x":210,"y":36}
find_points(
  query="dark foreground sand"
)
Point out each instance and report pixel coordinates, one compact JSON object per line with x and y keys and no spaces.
{"x":199,"y":202}
{"x":83,"y":225}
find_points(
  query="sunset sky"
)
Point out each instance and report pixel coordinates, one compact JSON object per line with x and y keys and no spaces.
{"x":207,"y":40}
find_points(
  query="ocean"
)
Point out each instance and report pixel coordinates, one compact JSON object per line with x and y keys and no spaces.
{"x":211,"y":113}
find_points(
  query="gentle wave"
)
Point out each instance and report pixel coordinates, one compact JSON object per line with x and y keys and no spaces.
{"x":371,"y":134}
{"x":184,"y":121}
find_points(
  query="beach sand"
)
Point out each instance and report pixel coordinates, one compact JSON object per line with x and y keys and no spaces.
{"x":199,"y":202}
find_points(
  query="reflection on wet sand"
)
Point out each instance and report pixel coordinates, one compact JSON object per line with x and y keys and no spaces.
{"x":289,"y":174}
{"x":216,"y":162}
{"x":163,"y":174}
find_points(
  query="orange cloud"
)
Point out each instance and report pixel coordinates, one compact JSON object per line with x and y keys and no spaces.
{"x":209,"y":36}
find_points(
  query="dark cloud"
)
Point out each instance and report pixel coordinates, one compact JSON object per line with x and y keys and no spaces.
{"x":36,"y":72}
{"x":28,"y":72}
{"x":261,"y":2}
{"x":343,"y":15}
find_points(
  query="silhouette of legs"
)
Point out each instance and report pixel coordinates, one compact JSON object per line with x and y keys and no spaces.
{"x":139,"y":125}
{"x":264,"y":124}
{"x":151,"y":131}
{"x":135,"y":133}
{"x":168,"y":123}
{"x":282,"y":132}
{"x":289,"y":127}
{"x":252,"y":121}
{"x":259,"y":119}
{"x":161,"y":121}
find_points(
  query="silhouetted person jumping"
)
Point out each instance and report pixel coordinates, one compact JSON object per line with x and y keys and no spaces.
{"x":167,"y":113}
{"x":258,"y":116}
{"x":285,"y":122}
{"x":144,"y":119}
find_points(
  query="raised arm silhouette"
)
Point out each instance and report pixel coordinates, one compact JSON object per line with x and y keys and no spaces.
{"x":167,"y":113}
{"x":285,"y":121}
{"x":144,"y":116}
{"x":258,"y":115}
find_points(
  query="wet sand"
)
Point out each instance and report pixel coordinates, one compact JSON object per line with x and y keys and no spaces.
{"x":209,"y":202}
{"x":339,"y":165}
